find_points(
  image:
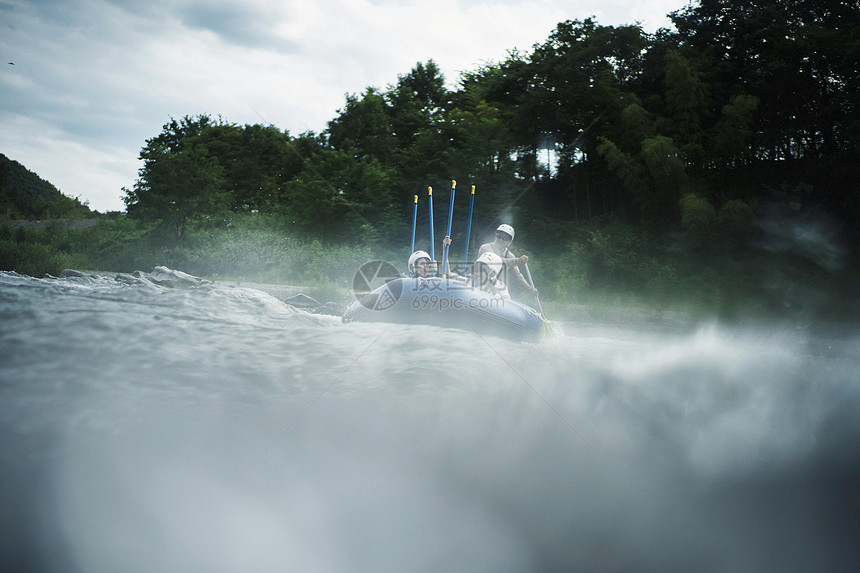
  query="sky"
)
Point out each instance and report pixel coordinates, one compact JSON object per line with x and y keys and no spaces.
{"x":84,"y":83}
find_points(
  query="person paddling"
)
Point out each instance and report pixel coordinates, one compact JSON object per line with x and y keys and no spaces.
{"x":486,"y":274}
{"x":500,"y":247}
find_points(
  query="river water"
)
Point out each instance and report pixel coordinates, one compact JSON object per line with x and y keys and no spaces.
{"x":147,"y":428}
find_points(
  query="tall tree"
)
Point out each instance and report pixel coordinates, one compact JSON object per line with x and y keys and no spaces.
{"x":416,"y":101}
{"x":257,"y":161}
{"x":582,"y":70}
{"x":800,"y":58}
{"x":363,"y":127}
{"x":685,"y":106}
{"x":179,"y":179}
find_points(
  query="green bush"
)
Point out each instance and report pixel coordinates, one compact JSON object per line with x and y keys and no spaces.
{"x":32,"y":259}
{"x":603,"y":263}
{"x":569,"y":277}
{"x":697,"y":214}
{"x":611,"y":263}
{"x":736,"y":222}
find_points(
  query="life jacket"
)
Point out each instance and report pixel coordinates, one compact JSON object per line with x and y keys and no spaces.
{"x":495,"y":287}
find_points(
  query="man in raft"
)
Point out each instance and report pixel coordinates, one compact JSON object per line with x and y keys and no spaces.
{"x":504,"y":237}
{"x":486,"y":274}
{"x":421,"y":266}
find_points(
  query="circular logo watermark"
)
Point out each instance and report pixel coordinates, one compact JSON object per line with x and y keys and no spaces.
{"x":374,"y":286}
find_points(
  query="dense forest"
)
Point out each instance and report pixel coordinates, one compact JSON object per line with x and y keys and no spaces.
{"x":691,"y":129}
{"x":631,"y":162}
{"x":25,"y":195}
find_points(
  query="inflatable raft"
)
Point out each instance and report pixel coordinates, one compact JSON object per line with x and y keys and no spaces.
{"x":446,"y":303}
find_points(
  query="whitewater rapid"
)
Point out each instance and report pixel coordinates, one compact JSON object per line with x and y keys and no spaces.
{"x":216,"y":428}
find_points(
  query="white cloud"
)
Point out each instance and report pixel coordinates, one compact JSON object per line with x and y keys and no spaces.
{"x":93,"y":80}
{"x":94,"y":172}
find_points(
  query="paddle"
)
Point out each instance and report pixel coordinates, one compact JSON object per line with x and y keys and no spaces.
{"x":450,"y":217}
{"x":532,"y":284}
{"x":414,"y":222}
{"x":469,"y":227}
{"x":432,"y":237}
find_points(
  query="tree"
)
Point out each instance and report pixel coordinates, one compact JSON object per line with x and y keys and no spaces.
{"x":731,"y":144}
{"x":257,"y":161}
{"x":363,"y":127}
{"x":580,"y":72}
{"x":648,"y":165}
{"x":416,"y":101}
{"x":179,"y":180}
{"x":798,"y":57}
{"x":685,"y":106}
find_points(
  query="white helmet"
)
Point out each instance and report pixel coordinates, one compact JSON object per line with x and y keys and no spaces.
{"x":493,"y":261}
{"x":413,"y":258}
{"x":504,"y":228}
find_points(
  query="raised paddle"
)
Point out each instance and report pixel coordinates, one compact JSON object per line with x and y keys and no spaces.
{"x":469,"y":227}
{"x":414,"y":222}
{"x":450,"y":217}
{"x":432,"y":236}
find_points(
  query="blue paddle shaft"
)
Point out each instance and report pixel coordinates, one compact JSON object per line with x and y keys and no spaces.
{"x":432,"y":236}
{"x":450,"y":220}
{"x":469,"y":227}
{"x":414,"y":223}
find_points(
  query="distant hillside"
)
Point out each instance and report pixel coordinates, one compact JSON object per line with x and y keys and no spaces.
{"x":25,"y":195}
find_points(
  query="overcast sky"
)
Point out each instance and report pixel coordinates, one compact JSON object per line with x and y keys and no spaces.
{"x":84,"y":83}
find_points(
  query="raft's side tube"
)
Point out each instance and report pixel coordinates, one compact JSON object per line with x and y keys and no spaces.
{"x":446,"y":303}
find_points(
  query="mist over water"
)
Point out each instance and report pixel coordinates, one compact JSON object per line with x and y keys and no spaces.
{"x":146,"y":428}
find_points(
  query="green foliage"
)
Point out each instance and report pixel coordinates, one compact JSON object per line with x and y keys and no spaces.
{"x":665,"y":166}
{"x":737,"y":219}
{"x":798,"y":58}
{"x":637,"y":126}
{"x":685,"y":101}
{"x":652,"y":178}
{"x":363,"y":127}
{"x":119,"y":244}
{"x":612,"y":262}
{"x":569,"y":275}
{"x":733,"y":133}
{"x":622,"y":164}
{"x":37,"y":250}
{"x":697,"y":214}
{"x":634,"y":121}
{"x":602,"y":263}
{"x":180,"y":180}
{"x":679,"y":134}
{"x":32,"y":259}
{"x":25,"y":195}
